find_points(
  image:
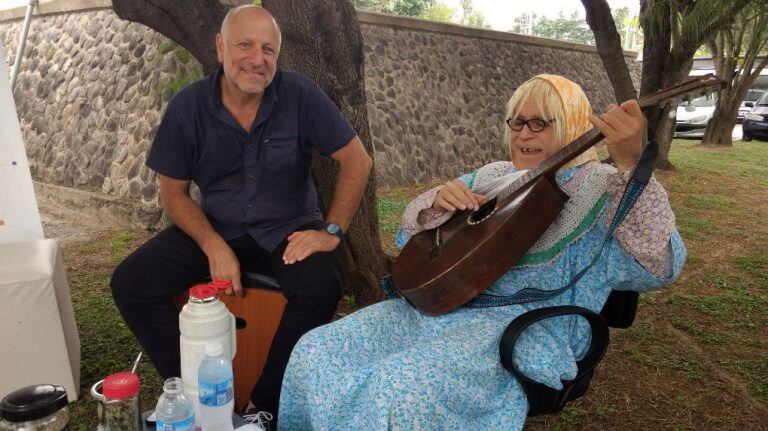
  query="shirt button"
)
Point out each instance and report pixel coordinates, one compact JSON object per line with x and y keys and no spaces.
{"x":250,"y":175}
{"x":250,"y":205}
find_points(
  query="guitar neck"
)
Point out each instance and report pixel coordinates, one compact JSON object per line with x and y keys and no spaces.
{"x":582,"y":144}
{"x":567,"y":153}
{"x":553,"y":163}
{"x":586,"y":141}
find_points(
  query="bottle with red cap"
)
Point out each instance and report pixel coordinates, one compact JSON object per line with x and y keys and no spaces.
{"x":121,"y":402}
{"x":202,"y":321}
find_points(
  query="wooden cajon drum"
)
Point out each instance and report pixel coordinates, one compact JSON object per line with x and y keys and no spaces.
{"x":257,"y":315}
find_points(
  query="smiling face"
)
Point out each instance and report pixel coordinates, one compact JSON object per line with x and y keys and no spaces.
{"x":528,"y":148}
{"x":248,"y":47}
{"x":558,"y":100}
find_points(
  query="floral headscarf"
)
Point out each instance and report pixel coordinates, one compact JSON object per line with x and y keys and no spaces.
{"x":577,"y":109}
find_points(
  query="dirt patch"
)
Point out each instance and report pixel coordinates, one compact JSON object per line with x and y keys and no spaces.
{"x":67,"y":226}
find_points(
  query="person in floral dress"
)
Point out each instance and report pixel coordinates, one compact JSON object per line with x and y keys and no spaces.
{"x":388,"y":367}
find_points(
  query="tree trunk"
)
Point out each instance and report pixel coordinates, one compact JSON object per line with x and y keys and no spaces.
{"x":668,"y":55}
{"x":321,"y":39}
{"x":609,"y":48}
{"x":662,"y":121}
{"x":720,"y":129}
{"x":663,"y":133}
{"x":655,"y":56}
{"x":660,"y":71}
{"x":741,"y":42}
{"x":192,"y":24}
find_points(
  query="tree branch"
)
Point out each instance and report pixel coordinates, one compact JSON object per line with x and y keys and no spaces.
{"x":192,"y":24}
{"x":609,"y":48}
{"x":684,"y":50}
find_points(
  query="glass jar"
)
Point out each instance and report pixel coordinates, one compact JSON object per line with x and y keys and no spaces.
{"x":121,"y":402}
{"x":35,"y":408}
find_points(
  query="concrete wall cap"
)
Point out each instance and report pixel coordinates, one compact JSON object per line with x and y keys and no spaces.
{"x":51,"y":7}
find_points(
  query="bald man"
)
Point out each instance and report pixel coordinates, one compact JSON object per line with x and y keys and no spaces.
{"x":245,"y":135}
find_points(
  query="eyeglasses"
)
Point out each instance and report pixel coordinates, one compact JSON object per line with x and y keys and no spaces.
{"x":534,"y":124}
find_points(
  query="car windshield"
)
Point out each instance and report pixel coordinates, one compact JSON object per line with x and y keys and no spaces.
{"x":763,"y":100}
{"x":753,"y":95}
{"x":701,"y":102}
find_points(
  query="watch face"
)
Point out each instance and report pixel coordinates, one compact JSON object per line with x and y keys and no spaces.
{"x":332,"y":228}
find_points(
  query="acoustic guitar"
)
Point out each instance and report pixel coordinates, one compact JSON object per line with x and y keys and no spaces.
{"x":441,"y":269}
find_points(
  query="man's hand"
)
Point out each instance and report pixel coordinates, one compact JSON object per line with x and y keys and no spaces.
{"x":224,"y":265}
{"x":303,"y":243}
{"x":456,"y":195}
{"x":189,"y":217}
{"x":623,"y":127}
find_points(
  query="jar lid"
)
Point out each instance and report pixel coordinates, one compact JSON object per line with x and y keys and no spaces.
{"x":221,"y":286}
{"x":121,"y":385}
{"x":33,"y":402}
{"x":202,"y":291}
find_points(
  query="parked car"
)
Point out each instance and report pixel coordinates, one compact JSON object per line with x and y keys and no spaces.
{"x":756,"y":121}
{"x":694,"y":116}
{"x":753,"y":95}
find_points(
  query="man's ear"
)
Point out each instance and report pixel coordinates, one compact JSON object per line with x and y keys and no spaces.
{"x":220,"y":47}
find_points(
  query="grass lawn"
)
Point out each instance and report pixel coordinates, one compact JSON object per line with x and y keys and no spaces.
{"x":696,"y":358}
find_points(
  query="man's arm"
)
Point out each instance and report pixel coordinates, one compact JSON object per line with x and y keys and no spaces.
{"x":355,"y":166}
{"x":189,"y":217}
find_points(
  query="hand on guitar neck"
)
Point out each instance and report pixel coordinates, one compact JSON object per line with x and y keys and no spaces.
{"x":440,"y":269}
{"x":623,"y":127}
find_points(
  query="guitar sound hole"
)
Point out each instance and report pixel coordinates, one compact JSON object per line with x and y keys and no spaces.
{"x":483,"y":213}
{"x":240,"y":323}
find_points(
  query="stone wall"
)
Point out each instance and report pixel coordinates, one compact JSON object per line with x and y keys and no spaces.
{"x":92,"y":89}
{"x":437,"y":93}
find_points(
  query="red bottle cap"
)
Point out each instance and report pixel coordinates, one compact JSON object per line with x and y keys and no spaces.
{"x":202,"y":291}
{"x":122,"y":385}
{"x":221,"y":286}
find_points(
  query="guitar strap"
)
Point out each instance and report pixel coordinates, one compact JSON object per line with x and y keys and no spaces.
{"x":632,"y":191}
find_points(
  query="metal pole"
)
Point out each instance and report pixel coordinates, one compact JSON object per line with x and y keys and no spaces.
{"x":22,"y":42}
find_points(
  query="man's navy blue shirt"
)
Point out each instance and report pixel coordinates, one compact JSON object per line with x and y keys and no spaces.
{"x":261,"y":187}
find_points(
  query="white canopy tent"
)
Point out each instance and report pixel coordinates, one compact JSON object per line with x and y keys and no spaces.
{"x":39,"y":341}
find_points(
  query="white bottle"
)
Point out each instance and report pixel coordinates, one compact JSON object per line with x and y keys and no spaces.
{"x":203,"y":320}
{"x":175,"y":411}
{"x":217,"y":390}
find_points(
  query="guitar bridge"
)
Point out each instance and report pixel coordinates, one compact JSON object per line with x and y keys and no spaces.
{"x":435,"y":251}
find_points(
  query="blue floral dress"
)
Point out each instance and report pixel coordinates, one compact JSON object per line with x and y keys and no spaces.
{"x":388,"y":367}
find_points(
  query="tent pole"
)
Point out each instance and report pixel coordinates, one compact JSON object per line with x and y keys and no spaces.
{"x":22,"y":42}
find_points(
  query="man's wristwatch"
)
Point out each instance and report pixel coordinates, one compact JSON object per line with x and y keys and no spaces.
{"x":335,"y":230}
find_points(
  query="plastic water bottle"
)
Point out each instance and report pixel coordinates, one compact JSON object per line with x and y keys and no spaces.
{"x":217,"y":390}
{"x":203,"y":320}
{"x":174,"y":411}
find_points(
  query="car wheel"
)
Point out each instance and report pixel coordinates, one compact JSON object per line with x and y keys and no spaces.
{"x":746,"y":138}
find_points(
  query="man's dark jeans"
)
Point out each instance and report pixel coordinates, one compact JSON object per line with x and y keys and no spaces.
{"x":144,"y":284}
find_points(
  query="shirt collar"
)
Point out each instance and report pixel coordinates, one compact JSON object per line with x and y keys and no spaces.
{"x":270,"y":96}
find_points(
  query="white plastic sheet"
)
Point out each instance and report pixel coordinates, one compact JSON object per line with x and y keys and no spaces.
{"x":19,"y":217}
